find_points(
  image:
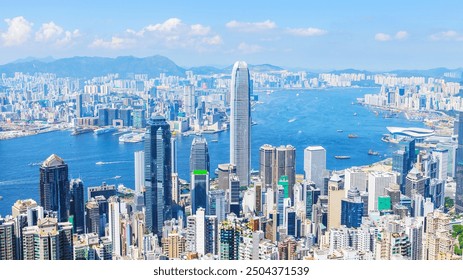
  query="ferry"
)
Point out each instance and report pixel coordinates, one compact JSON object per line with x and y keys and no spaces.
{"x":373,"y":153}
{"x":132,"y":137}
{"x":104,"y":130}
{"x":80,"y":130}
{"x":352,"y":136}
{"x":342,"y":157}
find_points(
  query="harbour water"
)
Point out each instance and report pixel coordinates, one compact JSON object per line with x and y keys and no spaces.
{"x":300,"y":118}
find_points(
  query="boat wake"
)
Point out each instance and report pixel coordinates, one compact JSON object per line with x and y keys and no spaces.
{"x":110,"y":162}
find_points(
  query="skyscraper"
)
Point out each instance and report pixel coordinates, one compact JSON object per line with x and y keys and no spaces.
{"x":77,"y":210}
{"x":139,"y":171}
{"x":54,"y":187}
{"x":79,"y":106}
{"x":199,"y":190}
{"x":315,"y":165}
{"x":240,"y":121}
{"x":459,"y":168}
{"x":199,"y":155}
{"x":266,"y":162}
{"x":158,"y":189}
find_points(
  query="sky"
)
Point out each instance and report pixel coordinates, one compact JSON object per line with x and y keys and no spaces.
{"x":318,"y":35}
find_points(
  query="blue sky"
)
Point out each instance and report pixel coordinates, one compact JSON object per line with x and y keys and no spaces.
{"x":372,"y":35}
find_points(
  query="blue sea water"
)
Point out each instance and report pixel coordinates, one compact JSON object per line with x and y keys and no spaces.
{"x":300,"y":118}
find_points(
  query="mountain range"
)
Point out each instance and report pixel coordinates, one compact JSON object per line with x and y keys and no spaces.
{"x":88,"y":67}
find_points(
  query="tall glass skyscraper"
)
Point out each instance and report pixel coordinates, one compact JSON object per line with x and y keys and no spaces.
{"x":77,"y":205}
{"x":240,"y":121}
{"x":459,"y":168}
{"x":54,"y":187}
{"x":199,"y":156}
{"x":158,"y":183}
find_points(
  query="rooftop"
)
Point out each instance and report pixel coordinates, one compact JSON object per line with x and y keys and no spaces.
{"x":53,"y":161}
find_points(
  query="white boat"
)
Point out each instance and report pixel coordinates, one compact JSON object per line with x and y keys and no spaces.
{"x":291,"y":120}
{"x":132,"y":137}
{"x":104,"y":130}
{"x":99,"y":163}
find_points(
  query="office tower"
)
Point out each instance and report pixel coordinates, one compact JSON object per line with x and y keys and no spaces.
{"x":139,"y":120}
{"x":199,"y":190}
{"x":104,"y":190}
{"x":393,"y":191}
{"x":199,"y":155}
{"x":285,"y":165}
{"x":175,"y":188}
{"x":102,"y":117}
{"x":352,"y":209}
{"x":355,"y":176}
{"x":224,"y":172}
{"x":442,"y":156}
{"x":240,"y":121}
{"x":7,"y":240}
{"x":377,"y":183}
{"x":217,"y":204}
{"x":280,"y":199}
{"x":93,"y":217}
{"x":189,"y":105}
{"x":54,"y":187}
{"x":459,"y":168}
{"x":139,"y":171}
{"x":258,"y":196}
{"x":234,"y":195}
{"x":310,"y":197}
{"x":400,"y":165}
{"x":335,"y":195}
{"x":49,"y":240}
{"x":266,"y":165}
{"x":173,"y":160}
{"x":79,"y":106}
{"x":126,"y":116}
{"x":315,"y":165}
{"x":158,"y":188}
{"x":291,"y":222}
{"x":408,"y":144}
{"x":415,"y":181}
{"x":77,"y":206}
{"x":229,"y":238}
{"x":85,"y":246}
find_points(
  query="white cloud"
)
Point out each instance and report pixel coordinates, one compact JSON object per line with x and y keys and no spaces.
{"x":48,"y":31}
{"x":400,"y":35}
{"x":172,"y":33}
{"x":114,"y":43}
{"x":68,"y":37}
{"x":447,"y":35}
{"x":249,"y":48}
{"x":18,"y":31}
{"x":169,"y":25}
{"x":198,"y":29}
{"x":213,"y":41}
{"x":306,"y":32}
{"x":251,"y":26}
{"x":382,"y":37}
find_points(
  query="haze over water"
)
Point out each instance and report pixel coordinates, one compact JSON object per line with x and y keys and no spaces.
{"x":298,"y":117}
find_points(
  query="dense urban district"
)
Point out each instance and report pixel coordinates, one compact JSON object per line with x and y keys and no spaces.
{"x":405,"y":207}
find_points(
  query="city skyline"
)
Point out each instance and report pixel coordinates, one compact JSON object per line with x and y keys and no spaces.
{"x":312,"y":35}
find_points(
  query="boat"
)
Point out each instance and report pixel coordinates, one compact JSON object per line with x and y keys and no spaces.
{"x":132,"y":137}
{"x":99,"y":163}
{"x":1,"y":197}
{"x":104,"y":130}
{"x":355,"y":114}
{"x":80,"y":130}
{"x":214,"y":140}
{"x":292,"y":120}
{"x":117,"y":177}
{"x":339,"y":130}
{"x":373,"y":153}
{"x":352,"y":136}
{"x":342,"y":157}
